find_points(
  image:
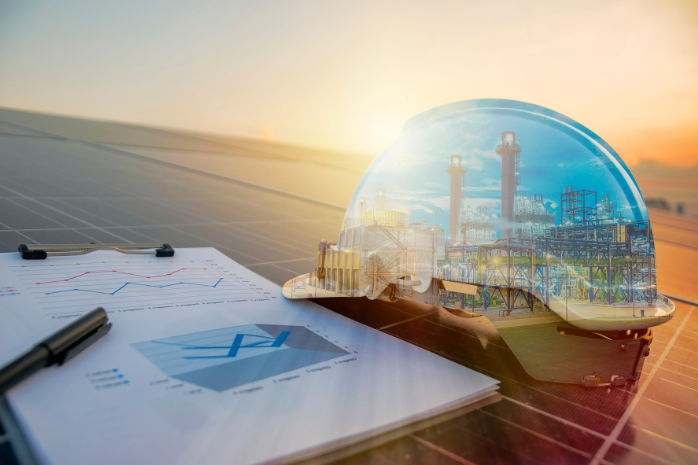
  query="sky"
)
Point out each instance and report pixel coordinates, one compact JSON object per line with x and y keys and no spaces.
{"x":346,"y":75}
{"x":412,"y":171}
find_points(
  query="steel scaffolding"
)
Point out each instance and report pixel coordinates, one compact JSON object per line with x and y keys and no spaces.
{"x":609,"y":263}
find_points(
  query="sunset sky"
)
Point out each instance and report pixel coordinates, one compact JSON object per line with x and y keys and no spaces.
{"x":347,"y":75}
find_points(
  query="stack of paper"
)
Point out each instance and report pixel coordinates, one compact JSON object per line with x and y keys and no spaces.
{"x":208,"y":363}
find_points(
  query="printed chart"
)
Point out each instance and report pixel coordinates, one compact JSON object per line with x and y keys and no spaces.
{"x":67,"y":286}
{"x":226,"y":358}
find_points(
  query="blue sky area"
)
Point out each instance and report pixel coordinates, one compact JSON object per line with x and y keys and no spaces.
{"x":413,"y":169}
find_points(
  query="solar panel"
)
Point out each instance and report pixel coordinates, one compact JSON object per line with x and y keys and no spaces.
{"x":67,"y":180}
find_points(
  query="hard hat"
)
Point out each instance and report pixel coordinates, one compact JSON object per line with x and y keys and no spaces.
{"x":497,"y":207}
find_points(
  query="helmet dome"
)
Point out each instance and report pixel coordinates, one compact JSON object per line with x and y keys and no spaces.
{"x":497,"y":204}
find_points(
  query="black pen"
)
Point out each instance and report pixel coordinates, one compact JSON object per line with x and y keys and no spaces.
{"x":58,"y":348}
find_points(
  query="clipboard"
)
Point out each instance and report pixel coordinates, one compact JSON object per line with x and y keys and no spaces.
{"x":43,"y":251}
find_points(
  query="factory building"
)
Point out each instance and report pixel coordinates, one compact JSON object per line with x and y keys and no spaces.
{"x":477,"y":228}
{"x":531,"y":217}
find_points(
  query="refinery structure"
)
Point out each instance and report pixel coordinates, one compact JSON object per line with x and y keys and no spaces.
{"x":590,"y":254}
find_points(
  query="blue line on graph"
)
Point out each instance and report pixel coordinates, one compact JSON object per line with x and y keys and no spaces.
{"x":136,"y":284}
{"x":235,"y":346}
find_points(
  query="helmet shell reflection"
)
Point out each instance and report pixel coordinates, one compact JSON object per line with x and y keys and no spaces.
{"x":500,"y":208}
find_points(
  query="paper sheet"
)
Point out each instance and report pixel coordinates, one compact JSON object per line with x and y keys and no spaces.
{"x":206,"y":363}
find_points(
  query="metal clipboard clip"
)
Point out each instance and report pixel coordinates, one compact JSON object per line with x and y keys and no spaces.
{"x":41,"y":252}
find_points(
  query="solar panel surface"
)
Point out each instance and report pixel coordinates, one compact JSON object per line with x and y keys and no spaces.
{"x":66,"y":180}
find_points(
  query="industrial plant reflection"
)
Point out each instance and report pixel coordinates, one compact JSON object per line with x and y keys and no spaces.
{"x":565,"y":275}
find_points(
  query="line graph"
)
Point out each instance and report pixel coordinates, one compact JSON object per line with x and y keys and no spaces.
{"x":135,"y":284}
{"x":122,"y":272}
{"x":65,"y":287}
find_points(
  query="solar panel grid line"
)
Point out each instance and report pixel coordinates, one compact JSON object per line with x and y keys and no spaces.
{"x":644,"y":453}
{"x":32,"y":130}
{"x":475,"y":445}
{"x":51,"y":215}
{"x":79,"y":232}
{"x":568,"y":432}
{"x":673,"y":408}
{"x":678,"y":384}
{"x":20,"y":449}
{"x":441,"y":450}
{"x":16,"y":184}
{"x":163,"y":204}
{"x":555,"y":417}
{"x":518,"y":439}
{"x":218,"y":244}
{"x":539,"y":435}
{"x":664,"y":438}
{"x":63,"y":206}
{"x":291,"y":273}
{"x":24,"y":217}
{"x":52,"y":208}
{"x":202,"y":223}
{"x":263,"y":240}
{"x":677,"y":346}
{"x":84,"y":232}
{"x":286,"y":261}
{"x":257,"y":240}
{"x":600,"y":428}
{"x":633,"y":403}
{"x":672,"y":371}
{"x":215,"y":176}
{"x":244,"y":152}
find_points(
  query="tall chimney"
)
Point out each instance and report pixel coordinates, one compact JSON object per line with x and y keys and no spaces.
{"x":457,"y":172}
{"x":509,"y":151}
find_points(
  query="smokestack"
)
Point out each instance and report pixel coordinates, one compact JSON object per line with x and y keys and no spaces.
{"x":457,"y":172}
{"x":509,"y":151}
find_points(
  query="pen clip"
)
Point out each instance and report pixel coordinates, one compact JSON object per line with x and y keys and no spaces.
{"x":84,"y":343}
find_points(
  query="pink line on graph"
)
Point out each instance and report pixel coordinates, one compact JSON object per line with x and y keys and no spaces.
{"x":121,"y":272}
